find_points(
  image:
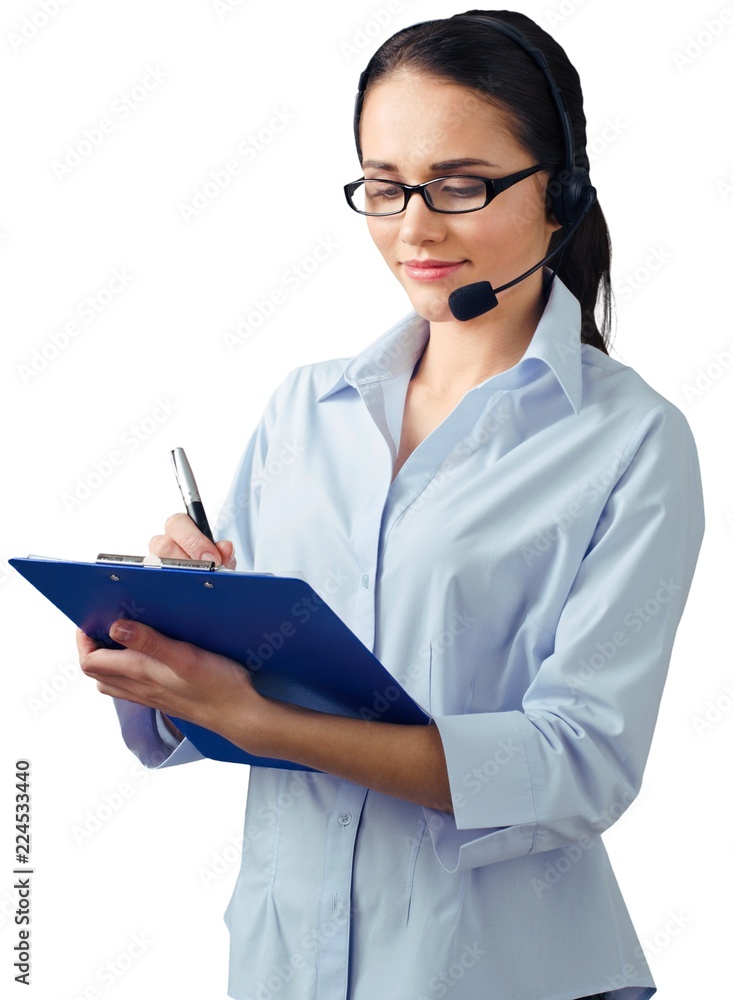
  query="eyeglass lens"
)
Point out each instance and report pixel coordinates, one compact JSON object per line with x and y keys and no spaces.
{"x":448,"y":194}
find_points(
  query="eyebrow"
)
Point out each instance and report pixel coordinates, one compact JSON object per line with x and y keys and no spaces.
{"x":465,"y":161}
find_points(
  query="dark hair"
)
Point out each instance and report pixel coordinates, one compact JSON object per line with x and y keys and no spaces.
{"x":492,"y":64}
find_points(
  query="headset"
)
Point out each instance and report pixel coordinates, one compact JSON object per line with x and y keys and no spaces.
{"x":570,"y":194}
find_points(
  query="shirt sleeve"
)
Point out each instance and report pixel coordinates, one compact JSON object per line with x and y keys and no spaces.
{"x":142,"y":728}
{"x":237,"y":519}
{"x":571,"y":761}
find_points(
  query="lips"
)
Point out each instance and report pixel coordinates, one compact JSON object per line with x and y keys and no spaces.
{"x":430,"y":270}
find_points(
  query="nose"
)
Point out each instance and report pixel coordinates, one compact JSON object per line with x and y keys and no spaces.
{"x":419,"y":224}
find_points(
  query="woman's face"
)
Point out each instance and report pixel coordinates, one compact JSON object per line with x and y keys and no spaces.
{"x":415,"y":127}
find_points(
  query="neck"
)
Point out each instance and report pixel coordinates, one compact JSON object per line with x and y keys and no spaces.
{"x":459,"y":356}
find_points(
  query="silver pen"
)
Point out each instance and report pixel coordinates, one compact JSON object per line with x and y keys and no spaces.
{"x":189,"y":492}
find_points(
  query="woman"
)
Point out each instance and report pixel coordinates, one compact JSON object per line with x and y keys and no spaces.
{"x":508,"y":517}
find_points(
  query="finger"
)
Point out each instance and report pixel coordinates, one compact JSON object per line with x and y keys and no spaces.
{"x":146,"y":640}
{"x":84,"y":643}
{"x":98,"y":665}
{"x":181,"y":529}
{"x":226,"y":548}
{"x":122,"y":673}
{"x":184,"y":537}
{"x":118,"y":687}
{"x":164,"y":547}
{"x":100,"y":662}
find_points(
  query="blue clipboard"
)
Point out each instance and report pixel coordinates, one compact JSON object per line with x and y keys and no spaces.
{"x":297,"y":648}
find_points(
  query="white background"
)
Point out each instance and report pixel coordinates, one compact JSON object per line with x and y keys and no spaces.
{"x":659,"y":138}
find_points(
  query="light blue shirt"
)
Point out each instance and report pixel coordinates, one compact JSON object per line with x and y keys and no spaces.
{"x":523,"y":578}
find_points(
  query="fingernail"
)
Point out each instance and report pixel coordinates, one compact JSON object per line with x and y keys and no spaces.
{"x":122,"y":631}
{"x":208,"y":557}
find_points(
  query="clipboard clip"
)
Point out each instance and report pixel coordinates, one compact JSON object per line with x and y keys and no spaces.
{"x":155,"y":562}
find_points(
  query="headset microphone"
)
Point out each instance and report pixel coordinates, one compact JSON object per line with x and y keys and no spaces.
{"x":470,"y":301}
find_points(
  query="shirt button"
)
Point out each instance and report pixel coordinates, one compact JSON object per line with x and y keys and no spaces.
{"x":365,"y":580}
{"x":345,"y":819}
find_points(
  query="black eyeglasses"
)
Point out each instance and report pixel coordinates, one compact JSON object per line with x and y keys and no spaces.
{"x":449,"y":195}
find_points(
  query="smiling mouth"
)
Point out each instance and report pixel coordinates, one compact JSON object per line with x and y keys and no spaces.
{"x":430,"y":270}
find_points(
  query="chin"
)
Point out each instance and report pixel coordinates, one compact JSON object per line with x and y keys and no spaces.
{"x":431,"y":305}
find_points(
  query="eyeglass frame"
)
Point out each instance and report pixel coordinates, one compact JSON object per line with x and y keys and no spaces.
{"x":494,"y":187}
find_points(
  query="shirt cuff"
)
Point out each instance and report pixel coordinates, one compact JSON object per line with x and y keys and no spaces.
{"x":141,"y":733}
{"x":497,"y":789}
{"x":497,"y":786}
{"x":164,"y":732}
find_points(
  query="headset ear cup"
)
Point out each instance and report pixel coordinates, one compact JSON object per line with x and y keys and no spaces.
{"x":570,"y":195}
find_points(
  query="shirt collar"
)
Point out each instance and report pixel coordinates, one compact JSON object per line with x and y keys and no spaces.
{"x":556,"y":342}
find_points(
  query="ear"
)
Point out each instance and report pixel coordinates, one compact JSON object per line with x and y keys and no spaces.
{"x":552,"y":221}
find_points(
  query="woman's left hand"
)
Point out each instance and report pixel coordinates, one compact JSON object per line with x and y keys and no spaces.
{"x":175,"y":677}
{"x":215,"y":692}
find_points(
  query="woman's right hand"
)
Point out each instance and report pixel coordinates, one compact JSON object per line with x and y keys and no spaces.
{"x":183,"y":540}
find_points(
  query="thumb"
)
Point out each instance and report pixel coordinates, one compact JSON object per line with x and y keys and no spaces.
{"x":226,"y":549}
{"x":141,"y":638}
